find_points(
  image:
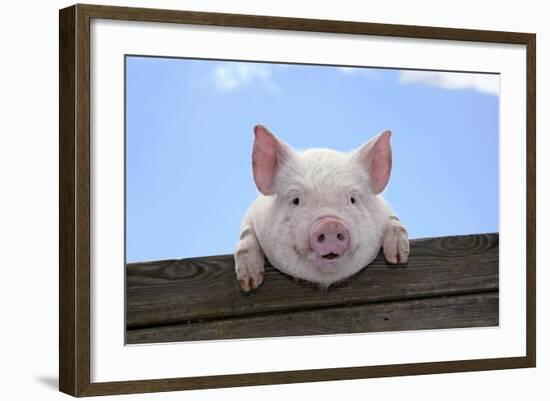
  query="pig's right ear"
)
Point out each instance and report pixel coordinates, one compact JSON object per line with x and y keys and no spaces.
{"x":268,"y":154}
{"x":376,"y":157}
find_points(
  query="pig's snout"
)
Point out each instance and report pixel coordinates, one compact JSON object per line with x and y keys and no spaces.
{"x":329,"y":238}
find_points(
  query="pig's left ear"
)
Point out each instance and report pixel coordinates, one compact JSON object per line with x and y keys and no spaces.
{"x":375,"y":157}
{"x":268,"y":155}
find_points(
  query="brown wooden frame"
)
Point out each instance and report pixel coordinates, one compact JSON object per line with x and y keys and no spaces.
{"x":74,"y":199}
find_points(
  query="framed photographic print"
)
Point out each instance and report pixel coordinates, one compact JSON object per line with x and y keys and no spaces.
{"x":251,"y":200}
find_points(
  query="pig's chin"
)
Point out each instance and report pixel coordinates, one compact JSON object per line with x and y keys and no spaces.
{"x":328,"y":264}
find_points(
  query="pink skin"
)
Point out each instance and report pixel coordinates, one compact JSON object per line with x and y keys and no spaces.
{"x":323,"y":250}
{"x":329,"y":239}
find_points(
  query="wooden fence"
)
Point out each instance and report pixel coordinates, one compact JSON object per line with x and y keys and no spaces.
{"x":449,"y":282}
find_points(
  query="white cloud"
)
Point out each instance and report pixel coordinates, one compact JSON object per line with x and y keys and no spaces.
{"x":232,"y":76}
{"x":347,"y":70}
{"x":365,"y":72}
{"x":485,"y":83}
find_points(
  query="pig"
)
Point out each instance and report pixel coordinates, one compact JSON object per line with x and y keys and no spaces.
{"x":320,"y":216}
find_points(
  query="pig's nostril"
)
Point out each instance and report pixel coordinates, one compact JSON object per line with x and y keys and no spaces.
{"x":329,"y":238}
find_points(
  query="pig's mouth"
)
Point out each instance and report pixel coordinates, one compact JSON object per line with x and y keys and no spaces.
{"x":330,"y":256}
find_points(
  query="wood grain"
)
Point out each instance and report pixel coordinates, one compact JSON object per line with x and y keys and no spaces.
{"x":179,"y":291}
{"x":473,"y":310}
{"x":67,"y":229}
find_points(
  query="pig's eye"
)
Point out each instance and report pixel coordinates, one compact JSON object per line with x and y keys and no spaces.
{"x":296,"y":201}
{"x":352,"y":200}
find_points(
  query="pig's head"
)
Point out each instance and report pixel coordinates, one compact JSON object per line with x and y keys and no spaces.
{"x":325,"y":221}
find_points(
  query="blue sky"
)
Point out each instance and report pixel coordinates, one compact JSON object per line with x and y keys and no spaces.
{"x":189,"y":138}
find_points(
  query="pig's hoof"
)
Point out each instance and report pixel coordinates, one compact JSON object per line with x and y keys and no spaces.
{"x":249,"y":283}
{"x":396,"y":244}
{"x":250,"y":275}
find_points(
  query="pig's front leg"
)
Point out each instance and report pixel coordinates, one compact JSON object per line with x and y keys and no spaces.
{"x":396,"y":242}
{"x":249,"y":260}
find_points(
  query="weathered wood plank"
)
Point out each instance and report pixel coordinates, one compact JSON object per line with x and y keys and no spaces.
{"x":178,"y":291}
{"x":459,"y":311}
